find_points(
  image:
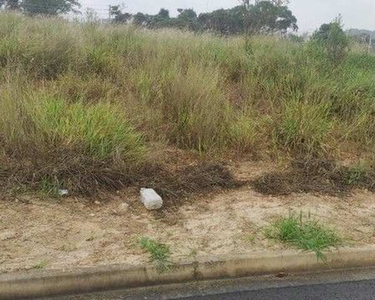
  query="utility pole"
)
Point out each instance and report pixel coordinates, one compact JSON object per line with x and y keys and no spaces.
{"x":370,"y":43}
{"x":109,"y":13}
{"x":246,"y":5}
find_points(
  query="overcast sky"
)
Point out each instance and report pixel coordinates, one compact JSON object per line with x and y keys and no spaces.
{"x":310,"y":13}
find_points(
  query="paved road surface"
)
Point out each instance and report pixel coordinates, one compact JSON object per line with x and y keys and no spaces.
{"x":346,"y":291}
{"x":353,"y":285}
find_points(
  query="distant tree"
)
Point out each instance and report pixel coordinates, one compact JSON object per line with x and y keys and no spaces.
{"x":187,"y":19}
{"x":275,"y":2}
{"x":163,"y":13}
{"x":141,"y":19}
{"x":333,"y":40}
{"x":10,"y":4}
{"x":187,"y":14}
{"x":261,"y":17}
{"x":222,"y":21}
{"x":327,"y":31}
{"x":119,"y":16}
{"x":280,"y":2}
{"x":266,"y":17}
{"x":160,"y":20}
{"x":49,"y":7}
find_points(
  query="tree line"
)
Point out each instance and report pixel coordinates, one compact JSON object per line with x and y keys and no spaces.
{"x":41,"y":7}
{"x":261,"y":17}
{"x":272,"y":16}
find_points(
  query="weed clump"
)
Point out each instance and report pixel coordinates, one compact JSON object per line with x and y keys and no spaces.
{"x":304,"y":233}
{"x":159,"y":253}
{"x":304,"y":128}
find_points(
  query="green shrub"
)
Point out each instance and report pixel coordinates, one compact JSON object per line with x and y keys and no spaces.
{"x":333,"y":40}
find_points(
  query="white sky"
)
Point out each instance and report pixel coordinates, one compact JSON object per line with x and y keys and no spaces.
{"x":310,"y":13}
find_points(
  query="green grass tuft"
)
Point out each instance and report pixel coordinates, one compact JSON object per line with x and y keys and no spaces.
{"x":40,"y":265}
{"x":305,"y":234}
{"x":159,"y":253}
{"x":357,"y":174}
{"x":99,"y":129}
{"x":49,"y":187}
{"x":304,"y":127}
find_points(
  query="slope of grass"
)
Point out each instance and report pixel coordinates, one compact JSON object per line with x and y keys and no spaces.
{"x":100,"y":95}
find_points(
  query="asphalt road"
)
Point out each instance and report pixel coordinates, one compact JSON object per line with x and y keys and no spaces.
{"x":352,"y":284}
{"x":346,"y":291}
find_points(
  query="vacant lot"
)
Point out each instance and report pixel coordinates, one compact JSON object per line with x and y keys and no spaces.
{"x":232,"y":133}
{"x":90,"y":107}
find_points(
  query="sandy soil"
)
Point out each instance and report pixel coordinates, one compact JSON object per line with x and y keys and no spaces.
{"x":71,"y":232}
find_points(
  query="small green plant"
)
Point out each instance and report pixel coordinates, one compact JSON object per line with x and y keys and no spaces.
{"x":40,"y":265}
{"x":49,"y":187}
{"x":192,"y":254}
{"x":251,"y":239}
{"x":159,"y":253}
{"x":90,"y":239}
{"x":304,"y":233}
{"x":357,"y":173}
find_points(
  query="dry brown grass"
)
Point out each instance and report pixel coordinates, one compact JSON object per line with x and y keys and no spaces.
{"x":319,"y":176}
{"x":84,"y":104}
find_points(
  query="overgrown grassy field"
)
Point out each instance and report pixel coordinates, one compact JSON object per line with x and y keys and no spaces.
{"x":85,"y":104}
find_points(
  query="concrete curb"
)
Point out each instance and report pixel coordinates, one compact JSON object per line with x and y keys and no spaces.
{"x":52,"y":283}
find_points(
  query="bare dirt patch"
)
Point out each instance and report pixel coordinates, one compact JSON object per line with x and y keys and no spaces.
{"x":75,"y":232}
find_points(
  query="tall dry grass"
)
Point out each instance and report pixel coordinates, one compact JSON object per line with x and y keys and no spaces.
{"x":94,"y":97}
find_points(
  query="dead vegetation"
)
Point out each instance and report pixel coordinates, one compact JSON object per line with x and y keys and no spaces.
{"x":174,"y":182}
{"x":317,"y":176}
{"x":82,"y":107}
{"x":197,"y":179}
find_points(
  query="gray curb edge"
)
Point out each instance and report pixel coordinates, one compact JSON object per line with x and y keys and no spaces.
{"x":51,"y":283}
